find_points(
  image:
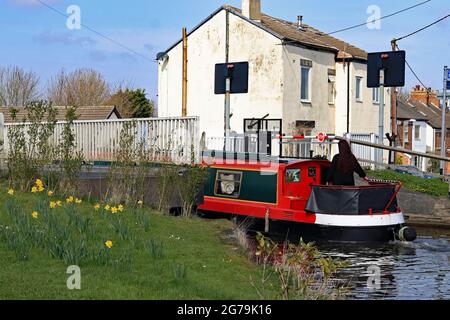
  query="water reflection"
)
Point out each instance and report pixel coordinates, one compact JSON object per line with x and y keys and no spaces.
{"x":408,"y":271}
{"x":418,"y":270}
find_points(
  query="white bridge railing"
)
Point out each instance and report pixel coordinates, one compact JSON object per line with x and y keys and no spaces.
{"x":371,"y":155}
{"x":162,"y":139}
{"x":301,"y":148}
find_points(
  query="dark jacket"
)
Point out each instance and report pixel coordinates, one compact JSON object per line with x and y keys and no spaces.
{"x":340,"y":178}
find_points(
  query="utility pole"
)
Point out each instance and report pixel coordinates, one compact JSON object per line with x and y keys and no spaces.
{"x":184,"y":112}
{"x":444,"y":122}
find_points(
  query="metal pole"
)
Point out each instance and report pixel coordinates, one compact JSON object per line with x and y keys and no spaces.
{"x":394,"y":112}
{"x":381,"y":116}
{"x":444,"y":125}
{"x":388,"y":148}
{"x":227,"y":108}
{"x":348,"y":95}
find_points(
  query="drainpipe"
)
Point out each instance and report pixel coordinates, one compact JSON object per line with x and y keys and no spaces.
{"x":185,"y":80}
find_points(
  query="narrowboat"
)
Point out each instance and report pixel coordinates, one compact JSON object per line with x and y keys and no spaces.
{"x":295,"y":192}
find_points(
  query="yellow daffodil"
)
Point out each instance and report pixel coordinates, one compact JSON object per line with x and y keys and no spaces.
{"x":39,"y":183}
{"x":107,"y":207}
{"x":140,"y":202}
{"x":120,"y":208}
{"x":34,"y":189}
{"x":59,"y":203}
{"x":78,"y":201}
{"x":35,"y":215}
{"x":109,"y":244}
{"x":53,"y":205}
{"x":70,"y":199}
{"x":50,"y":193}
{"x":41,"y":189}
{"x":97,"y":207}
{"x":114,"y":210}
{"x":11,"y":192}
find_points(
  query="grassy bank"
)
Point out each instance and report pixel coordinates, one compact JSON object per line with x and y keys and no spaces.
{"x":434,"y":187}
{"x":149,"y":256}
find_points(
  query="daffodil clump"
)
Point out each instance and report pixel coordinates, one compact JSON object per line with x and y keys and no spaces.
{"x":38,"y":186}
{"x":109,"y":208}
{"x":71,"y":234}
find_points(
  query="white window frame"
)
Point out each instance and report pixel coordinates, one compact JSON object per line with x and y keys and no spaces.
{"x":331,"y":82}
{"x":359,"y":89}
{"x":376,"y":95}
{"x":417,"y":129}
{"x":406,"y":133}
{"x":308,"y":99}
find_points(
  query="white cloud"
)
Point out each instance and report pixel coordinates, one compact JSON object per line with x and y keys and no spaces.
{"x":31,"y":3}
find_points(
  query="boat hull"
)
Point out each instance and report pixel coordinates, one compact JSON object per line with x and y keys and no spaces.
{"x":294,"y":231}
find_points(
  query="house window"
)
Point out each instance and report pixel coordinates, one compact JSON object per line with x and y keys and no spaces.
{"x":417,"y":133}
{"x":376,"y":95}
{"x":405,"y":136}
{"x":331,"y":85}
{"x":359,"y":89}
{"x":305,"y":96}
{"x":305,"y":80}
{"x":228,"y":184}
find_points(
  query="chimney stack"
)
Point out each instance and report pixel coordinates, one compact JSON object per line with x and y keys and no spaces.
{"x":300,"y":22}
{"x":426,"y":96}
{"x":252,"y":9}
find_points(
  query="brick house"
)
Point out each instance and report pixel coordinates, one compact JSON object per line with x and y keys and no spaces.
{"x":422,"y":103}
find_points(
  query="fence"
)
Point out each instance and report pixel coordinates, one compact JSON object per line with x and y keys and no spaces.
{"x":234,"y":144}
{"x":367,"y":156}
{"x":304,"y":148}
{"x":249,"y":143}
{"x":162,"y":139}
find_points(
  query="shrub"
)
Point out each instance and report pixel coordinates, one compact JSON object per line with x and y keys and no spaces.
{"x":30,"y":150}
{"x":296,"y":271}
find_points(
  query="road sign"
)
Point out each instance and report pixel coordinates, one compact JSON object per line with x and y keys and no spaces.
{"x":393,"y":64}
{"x":448,"y":79}
{"x":321,"y":137}
{"x":237,"y":73}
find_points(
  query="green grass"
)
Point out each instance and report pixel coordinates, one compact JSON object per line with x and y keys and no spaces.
{"x":175,"y":258}
{"x":434,"y":187}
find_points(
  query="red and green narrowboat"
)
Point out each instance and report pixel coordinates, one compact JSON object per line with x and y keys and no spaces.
{"x":295,"y":191}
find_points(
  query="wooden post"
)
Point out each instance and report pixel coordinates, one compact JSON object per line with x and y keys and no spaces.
{"x":2,"y":135}
{"x":185,"y":80}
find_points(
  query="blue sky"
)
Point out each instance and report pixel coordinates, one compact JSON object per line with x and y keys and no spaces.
{"x":36,"y":38}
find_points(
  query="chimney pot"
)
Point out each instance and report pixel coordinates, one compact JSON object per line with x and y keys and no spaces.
{"x":300,"y":21}
{"x":252,"y":9}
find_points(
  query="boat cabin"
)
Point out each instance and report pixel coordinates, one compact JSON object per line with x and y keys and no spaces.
{"x":252,"y":188}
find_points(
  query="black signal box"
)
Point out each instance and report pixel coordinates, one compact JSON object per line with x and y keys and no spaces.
{"x":393,"y":64}
{"x":238,"y":74}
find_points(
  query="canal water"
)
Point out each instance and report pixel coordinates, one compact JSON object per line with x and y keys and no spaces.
{"x":396,"y":271}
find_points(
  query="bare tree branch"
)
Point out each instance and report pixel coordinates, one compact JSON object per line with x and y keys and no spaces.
{"x":83,"y":87}
{"x":17,"y":87}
